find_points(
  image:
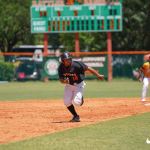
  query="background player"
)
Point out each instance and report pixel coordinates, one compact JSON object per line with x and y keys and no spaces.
{"x":72,"y":73}
{"x":145,"y":69}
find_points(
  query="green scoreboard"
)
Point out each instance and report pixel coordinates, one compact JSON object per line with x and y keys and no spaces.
{"x":76,"y":18}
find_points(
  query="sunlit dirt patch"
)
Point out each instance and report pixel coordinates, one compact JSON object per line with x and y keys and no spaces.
{"x":25,"y":119}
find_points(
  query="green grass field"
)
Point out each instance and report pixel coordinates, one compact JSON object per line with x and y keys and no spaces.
{"x":128,"y":133}
{"x":54,"y":89}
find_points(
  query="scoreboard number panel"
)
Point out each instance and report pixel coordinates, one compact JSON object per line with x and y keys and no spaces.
{"x":76,"y":18}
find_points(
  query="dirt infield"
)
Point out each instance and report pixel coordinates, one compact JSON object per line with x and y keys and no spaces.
{"x":25,"y":119}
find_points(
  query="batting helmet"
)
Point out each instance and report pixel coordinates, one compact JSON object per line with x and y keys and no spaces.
{"x":66,"y":56}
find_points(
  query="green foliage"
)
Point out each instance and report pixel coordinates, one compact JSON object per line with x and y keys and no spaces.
{"x":54,"y":40}
{"x":135,"y":35}
{"x":86,"y":39}
{"x":68,"y":41}
{"x":6,"y":71}
{"x":15,"y":23}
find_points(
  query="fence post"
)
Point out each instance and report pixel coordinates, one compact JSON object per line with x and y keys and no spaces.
{"x":109,"y":49}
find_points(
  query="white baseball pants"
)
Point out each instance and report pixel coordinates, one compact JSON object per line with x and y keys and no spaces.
{"x":73,"y":94}
{"x":146,"y":82}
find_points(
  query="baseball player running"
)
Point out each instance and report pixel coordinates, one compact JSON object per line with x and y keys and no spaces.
{"x":145,"y":69}
{"x":72,"y":74}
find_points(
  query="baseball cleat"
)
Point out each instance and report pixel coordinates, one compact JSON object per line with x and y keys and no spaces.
{"x":75,"y":119}
{"x":143,"y":100}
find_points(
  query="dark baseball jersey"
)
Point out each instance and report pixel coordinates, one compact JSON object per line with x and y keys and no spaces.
{"x":75,"y":73}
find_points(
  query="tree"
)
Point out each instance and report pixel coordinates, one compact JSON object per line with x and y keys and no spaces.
{"x":67,"y":39}
{"x":54,"y":40}
{"x":135,"y":34}
{"x":14,"y":24}
{"x":87,"y":39}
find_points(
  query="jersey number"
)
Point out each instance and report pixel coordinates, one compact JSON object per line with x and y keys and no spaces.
{"x":75,"y":78}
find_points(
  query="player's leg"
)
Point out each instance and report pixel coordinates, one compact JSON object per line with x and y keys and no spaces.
{"x":68,"y":96}
{"x":144,"y":89}
{"x":78,"y":94}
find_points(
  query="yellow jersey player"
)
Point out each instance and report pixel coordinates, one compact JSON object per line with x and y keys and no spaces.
{"x":146,"y":80}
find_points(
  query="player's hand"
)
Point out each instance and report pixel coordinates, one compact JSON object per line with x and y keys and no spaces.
{"x":138,"y":74}
{"x":64,"y":81}
{"x":100,"y":77}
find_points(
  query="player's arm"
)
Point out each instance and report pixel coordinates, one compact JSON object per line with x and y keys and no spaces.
{"x":139,"y":74}
{"x":94,"y":72}
{"x":143,"y":69}
{"x":62,"y":79}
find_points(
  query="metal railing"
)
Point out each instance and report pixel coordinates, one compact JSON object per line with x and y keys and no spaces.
{"x":138,"y":52}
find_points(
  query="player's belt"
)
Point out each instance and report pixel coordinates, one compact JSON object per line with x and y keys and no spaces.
{"x":75,"y":83}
